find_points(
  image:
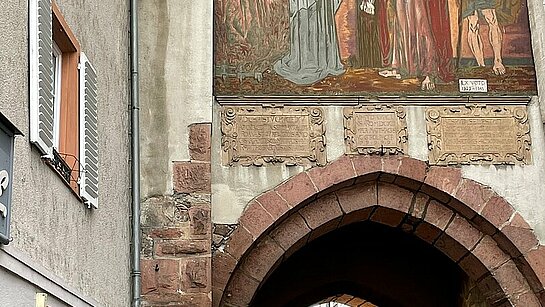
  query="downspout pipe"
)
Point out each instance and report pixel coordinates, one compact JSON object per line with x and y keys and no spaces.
{"x":135,"y":155}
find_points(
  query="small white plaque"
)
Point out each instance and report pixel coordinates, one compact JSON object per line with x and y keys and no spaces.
{"x":473,"y":86}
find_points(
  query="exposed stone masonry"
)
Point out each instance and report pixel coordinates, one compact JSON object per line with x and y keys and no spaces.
{"x":176,"y":232}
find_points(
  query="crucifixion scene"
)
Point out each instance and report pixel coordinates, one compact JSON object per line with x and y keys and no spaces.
{"x":371,"y":47}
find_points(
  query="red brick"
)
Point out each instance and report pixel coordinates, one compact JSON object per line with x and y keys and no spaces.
{"x":387,"y":216}
{"x":365,"y":165}
{"x":520,"y":233}
{"x":160,"y":277}
{"x":240,"y":290}
{"x":274,"y":204}
{"x":176,"y":248}
{"x":413,"y":169}
{"x":297,"y":189}
{"x":463,"y":232}
{"x":473,"y":267}
{"x":199,"y":141}
{"x":510,"y":279}
{"x":166,"y":233}
{"x":196,"y":275}
{"x":357,"y":197}
{"x":497,"y":211}
{"x":356,"y":216}
{"x":256,"y":219}
{"x":391,"y":196}
{"x":473,"y":194}
{"x":332,"y":174}
{"x":442,"y":180}
{"x":190,"y":177}
{"x":438,"y":215}
{"x":427,"y":232}
{"x":490,"y":254}
{"x":536,"y":259}
{"x":239,"y":242}
{"x":321,"y":211}
{"x":223,"y":265}
{"x":293,"y":229}
{"x":450,"y":247}
{"x":261,"y":258}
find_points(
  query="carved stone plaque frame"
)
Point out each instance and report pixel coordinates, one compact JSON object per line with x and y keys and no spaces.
{"x":375,"y":129}
{"x":478,"y":134}
{"x":255,"y":135}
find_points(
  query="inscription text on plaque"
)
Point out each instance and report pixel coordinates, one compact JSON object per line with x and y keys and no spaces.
{"x":478,"y":134}
{"x":258,"y":135}
{"x":375,"y":129}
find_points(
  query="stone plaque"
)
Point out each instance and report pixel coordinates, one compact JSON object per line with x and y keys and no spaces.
{"x":261,"y":135}
{"x":478,"y":134}
{"x":375,"y":130}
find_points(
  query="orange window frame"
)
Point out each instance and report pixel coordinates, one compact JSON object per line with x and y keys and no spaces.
{"x":69,"y":104}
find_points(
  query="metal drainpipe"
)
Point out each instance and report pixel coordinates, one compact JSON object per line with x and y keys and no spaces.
{"x":135,"y":155}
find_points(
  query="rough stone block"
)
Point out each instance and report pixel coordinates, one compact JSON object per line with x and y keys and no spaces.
{"x":438,"y":215}
{"x":321,"y":211}
{"x":394,"y":197}
{"x":463,"y":232}
{"x":274,"y":204}
{"x":200,"y":220}
{"x":473,"y":194}
{"x":196,"y":275}
{"x":223,"y":265}
{"x":490,"y":254}
{"x":191,"y":177}
{"x":335,"y":173}
{"x":358,"y":197}
{"x":160,"y":277}
{"x":199,"y":142}
{"x":497,"y":211}
{"x":387,"y":216}
{"x":365,"y":165}
{"x":510,"y":279}
{"x":290,"y":231}
{"x":256,"y":219}
{"x":520,"y":234}
{"x":239,"y":242}
{"x":176,"y":248}
{"x":450,"y":247}
{"x":262,"y":258}
{"x":297,"y":189}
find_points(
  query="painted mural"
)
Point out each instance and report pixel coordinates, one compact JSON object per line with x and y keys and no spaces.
{"x":372,"y":47}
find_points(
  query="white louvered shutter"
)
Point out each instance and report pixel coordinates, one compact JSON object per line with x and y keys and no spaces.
{"x":88,"y":132}
{"x":41,"y":75}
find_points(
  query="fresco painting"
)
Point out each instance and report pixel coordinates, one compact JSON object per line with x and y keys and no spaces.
{"x":371,"y":47}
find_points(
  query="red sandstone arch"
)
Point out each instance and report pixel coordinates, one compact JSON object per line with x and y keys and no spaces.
{"x":472,"y":225}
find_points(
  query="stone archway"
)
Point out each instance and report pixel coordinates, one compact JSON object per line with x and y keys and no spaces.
{"x":468,"y":222}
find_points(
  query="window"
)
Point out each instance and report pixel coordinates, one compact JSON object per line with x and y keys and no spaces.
{"x":63,"y":101}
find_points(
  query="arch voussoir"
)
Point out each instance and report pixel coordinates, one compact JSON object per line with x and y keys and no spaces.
{"x":467,"y":221}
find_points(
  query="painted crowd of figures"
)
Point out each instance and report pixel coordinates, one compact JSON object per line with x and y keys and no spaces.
{"x":402,"y":38}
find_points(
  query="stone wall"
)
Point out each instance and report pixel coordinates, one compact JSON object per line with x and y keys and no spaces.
{"x":176,"y":232}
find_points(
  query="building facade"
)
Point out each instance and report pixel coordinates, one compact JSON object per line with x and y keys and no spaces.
{"x":64,"y":100}
{"x":236,"y":215}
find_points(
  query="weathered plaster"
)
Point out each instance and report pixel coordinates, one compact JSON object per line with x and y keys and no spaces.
{"x":537,"y":27}
{"x":176,"y":84}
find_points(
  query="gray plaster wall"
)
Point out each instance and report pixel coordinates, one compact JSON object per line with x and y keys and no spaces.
{"x":175,"y":82}
{"x":17,"y":292}
{"x":88,"y":249}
